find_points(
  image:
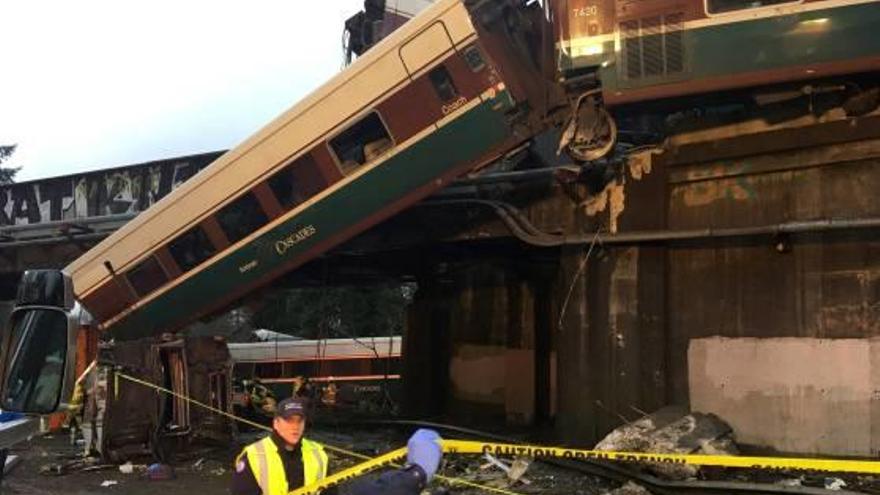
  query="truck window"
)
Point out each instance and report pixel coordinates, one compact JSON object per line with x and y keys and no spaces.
{"x":366,"y":140}
{"x":39,"y":352}
{"x":241,"y":217}
{"x":191,"y":249}
{"x":722,"y":6}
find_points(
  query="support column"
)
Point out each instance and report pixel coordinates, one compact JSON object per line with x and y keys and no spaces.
{"x":426,"y":348}
{"x":576,"y":416}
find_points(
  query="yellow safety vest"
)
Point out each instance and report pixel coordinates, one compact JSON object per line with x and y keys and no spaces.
{"x":265,"y":463}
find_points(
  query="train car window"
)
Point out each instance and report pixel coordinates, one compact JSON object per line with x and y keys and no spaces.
{"x":191,"y":249}
{"x":147,"y":276}
{"x":722,"y":6}
{"x":284,"y":188}
{"x":363,"y":142}
{"x":297,"y":182}
{"x":474,"y":59}
{"x":241,"y":217}
{"x":443,"y":85}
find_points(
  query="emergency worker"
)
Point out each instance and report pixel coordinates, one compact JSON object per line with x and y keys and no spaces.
{"x":284,"y":460}
{"x":261,"y":399}
{"x":94,"y":409}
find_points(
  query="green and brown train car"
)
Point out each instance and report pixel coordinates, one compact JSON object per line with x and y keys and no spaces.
{"x":440,"y":96}
{"x":653,"y":49}
{"x":643,"y":56}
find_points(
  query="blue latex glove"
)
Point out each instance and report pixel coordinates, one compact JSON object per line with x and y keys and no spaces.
{"x":423,"y":448}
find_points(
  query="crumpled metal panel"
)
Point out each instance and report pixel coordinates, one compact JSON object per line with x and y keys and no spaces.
{"x":198,"y":367}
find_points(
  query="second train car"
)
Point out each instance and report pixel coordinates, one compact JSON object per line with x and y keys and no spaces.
{"x":650,"y":51}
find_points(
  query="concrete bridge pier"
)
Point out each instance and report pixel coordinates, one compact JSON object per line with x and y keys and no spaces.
{"x":535,"y":342}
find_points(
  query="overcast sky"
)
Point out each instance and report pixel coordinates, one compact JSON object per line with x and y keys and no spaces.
{"x":93,"y":84}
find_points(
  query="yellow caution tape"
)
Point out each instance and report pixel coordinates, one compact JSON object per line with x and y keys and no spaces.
{"x":388,"y":459}
{"x":506,"y":449}
{"x":790,"y":463}
{"x":392,"y":458}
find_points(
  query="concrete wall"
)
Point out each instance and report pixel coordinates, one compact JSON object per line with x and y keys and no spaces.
{"x":804,"y":395}
{"x":616,"y":324}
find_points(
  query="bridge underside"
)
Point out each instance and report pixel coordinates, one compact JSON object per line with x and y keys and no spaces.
{"x":738,"y":231}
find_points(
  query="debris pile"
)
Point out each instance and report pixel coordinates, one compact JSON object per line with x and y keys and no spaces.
{"x":518,"y":475}
{"x":629,"y":488}
{"x":673,"y":430}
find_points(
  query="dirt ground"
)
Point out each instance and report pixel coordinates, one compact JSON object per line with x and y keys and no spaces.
{"x":26,"y":478}
{"x":208,"y":471}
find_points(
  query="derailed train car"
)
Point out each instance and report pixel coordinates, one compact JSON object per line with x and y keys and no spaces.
{"x":133,"y":419}
{"x":452,"y":89}
{"x":355,"y":375}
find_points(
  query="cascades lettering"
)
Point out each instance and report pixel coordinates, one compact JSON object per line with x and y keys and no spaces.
{"x":282,"y":245}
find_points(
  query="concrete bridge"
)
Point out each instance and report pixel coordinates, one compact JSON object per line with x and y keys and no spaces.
{"x":49,"y":222}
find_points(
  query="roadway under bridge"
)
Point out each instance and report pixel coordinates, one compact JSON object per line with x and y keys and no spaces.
{"x":582,"y":297}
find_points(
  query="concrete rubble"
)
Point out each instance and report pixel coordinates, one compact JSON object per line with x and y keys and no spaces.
{"x":629,"y":488}
{"x":673,"y":430}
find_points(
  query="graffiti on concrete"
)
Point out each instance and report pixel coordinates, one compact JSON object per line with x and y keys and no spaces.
{"x":94,"y":194}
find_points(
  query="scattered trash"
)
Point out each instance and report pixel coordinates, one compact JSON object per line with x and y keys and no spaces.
{"x":215,"y":468}
{"x":98,"y":467}
{"x":160,"y":472}
{"x":834,"y":484}
{"x":791,"y":482}
{"x":672,"y":430}
{"x":514,"y":471}
{"x":126,"y":468}
{"x":107,"y":483}
{"x":78,"y":465}
{"x":12,"y":460}
{"x":629,"y":488}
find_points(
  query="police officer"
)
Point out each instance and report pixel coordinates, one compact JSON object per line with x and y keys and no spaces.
{"x":284,"y":460}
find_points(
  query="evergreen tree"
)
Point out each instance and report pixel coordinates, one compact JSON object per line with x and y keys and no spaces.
{"x":7,"y":175}
{"x":336,"y":312}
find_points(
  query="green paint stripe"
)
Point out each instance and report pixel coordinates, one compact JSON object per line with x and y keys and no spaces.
{"x":781,"y":42}
{"x":464,"y":139}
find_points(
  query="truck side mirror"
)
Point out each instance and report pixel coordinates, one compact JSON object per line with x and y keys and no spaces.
{"x":39,"y":345}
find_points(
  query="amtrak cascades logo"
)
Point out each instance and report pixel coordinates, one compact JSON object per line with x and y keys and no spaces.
{"x":282,"y":245}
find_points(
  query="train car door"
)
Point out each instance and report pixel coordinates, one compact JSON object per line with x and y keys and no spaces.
{"x":430,"y":44}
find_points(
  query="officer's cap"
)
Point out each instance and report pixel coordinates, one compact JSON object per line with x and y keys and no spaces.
{"x":290,"y":407}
